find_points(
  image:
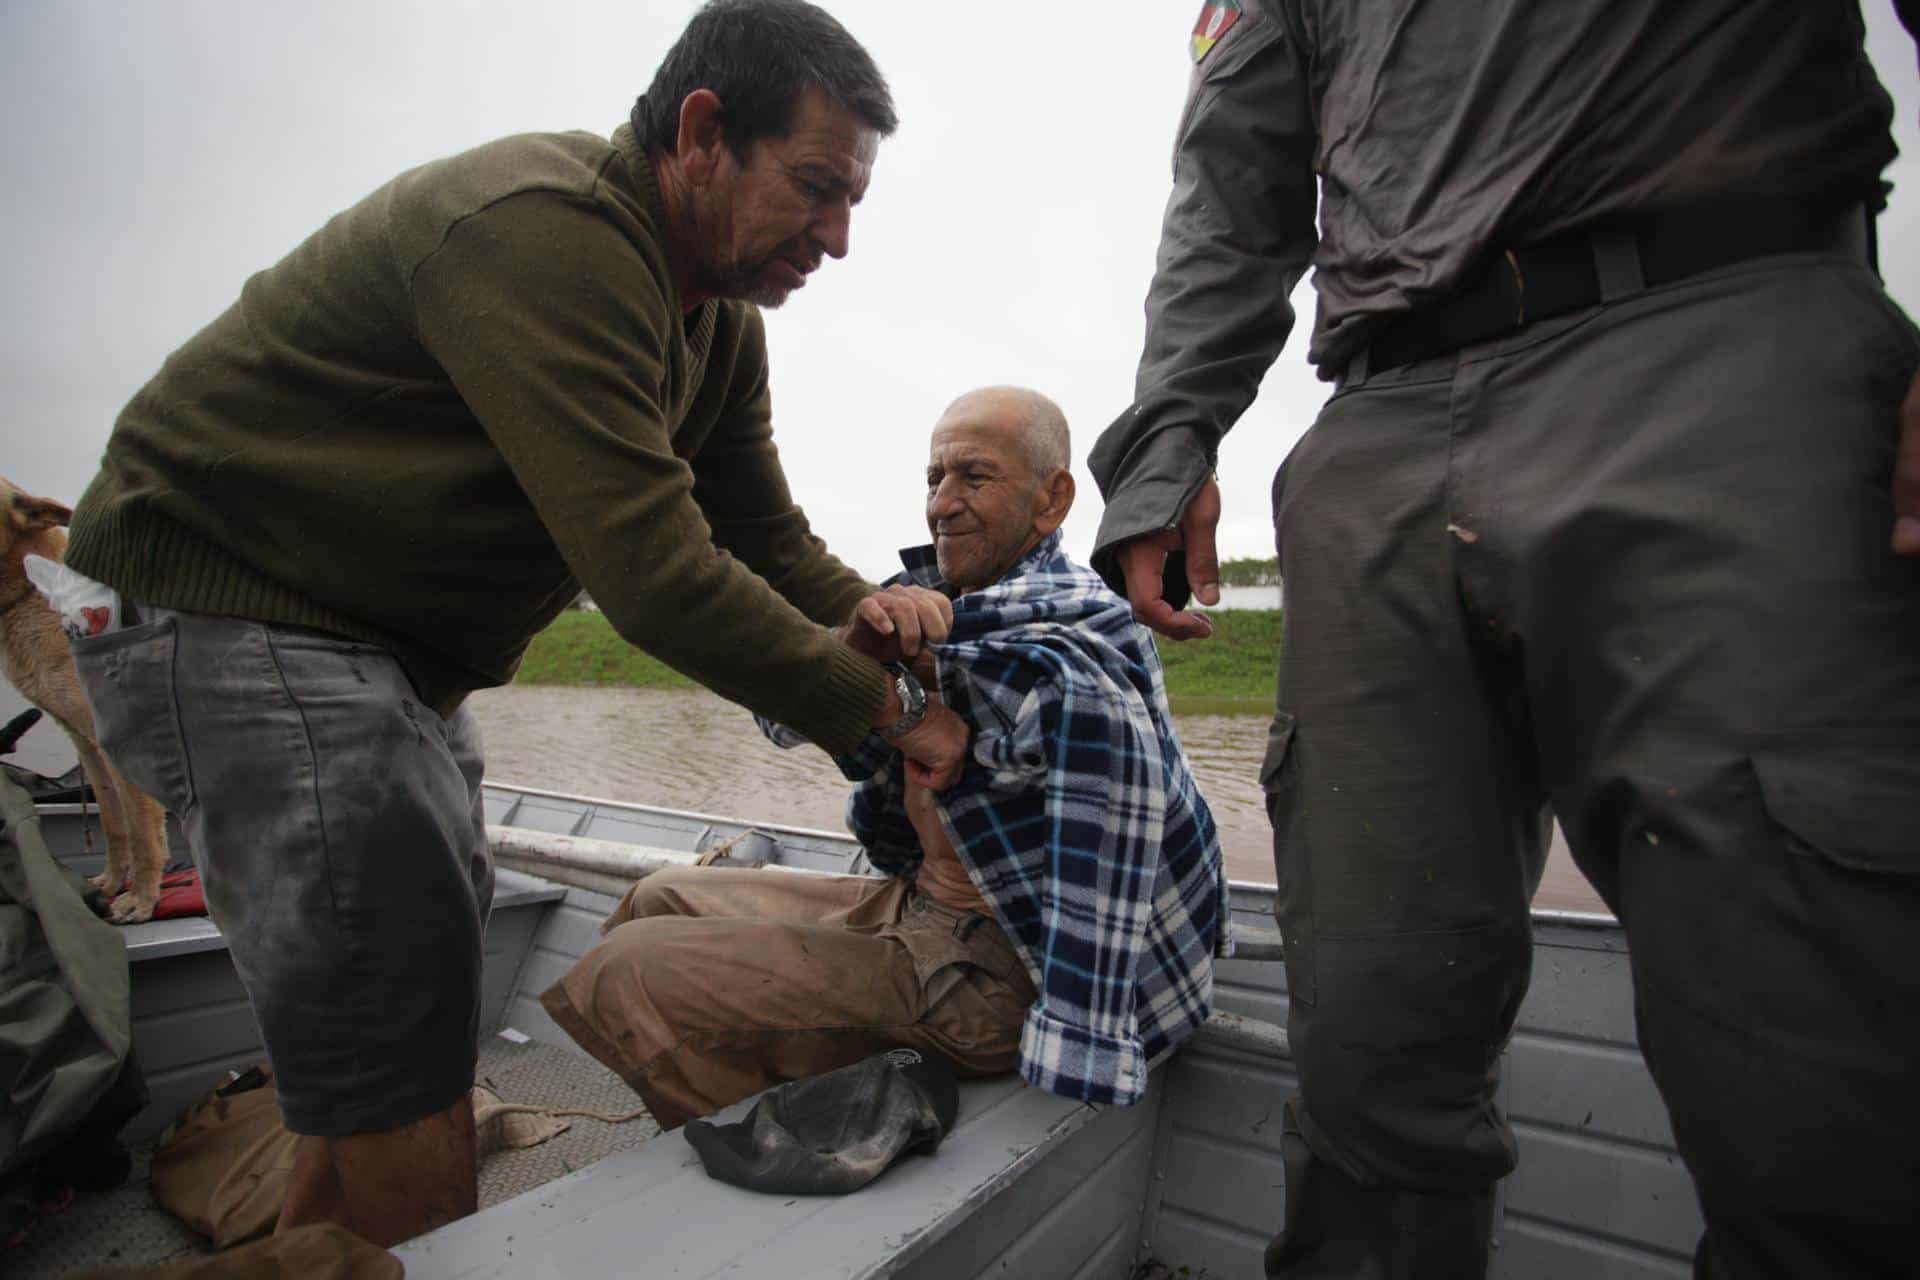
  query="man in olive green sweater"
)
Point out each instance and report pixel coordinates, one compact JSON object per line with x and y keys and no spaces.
{"x":359,"y":493}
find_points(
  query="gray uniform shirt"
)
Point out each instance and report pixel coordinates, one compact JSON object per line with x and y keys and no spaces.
{"x":1431,"y":133}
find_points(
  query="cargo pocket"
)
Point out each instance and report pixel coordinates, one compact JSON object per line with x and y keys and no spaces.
{"x":1293,"y":903}
{"x":128,"y":678}
{"x":945,"y":948}
{"x":974,"y":989}
{"x":1279,"y":748}
{"x":1851,"y":799}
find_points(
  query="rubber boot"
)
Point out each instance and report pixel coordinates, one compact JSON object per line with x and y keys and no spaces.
{"x":1336,"y":1229}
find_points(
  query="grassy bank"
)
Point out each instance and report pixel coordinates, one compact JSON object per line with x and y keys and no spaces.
{"x":581,"y":647}
{"x":1232,"y":672}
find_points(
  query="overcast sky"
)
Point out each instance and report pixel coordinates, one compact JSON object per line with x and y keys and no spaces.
{"x":156,"y":154}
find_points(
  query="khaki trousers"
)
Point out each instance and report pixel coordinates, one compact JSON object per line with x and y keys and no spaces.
{"x":714,"y":983}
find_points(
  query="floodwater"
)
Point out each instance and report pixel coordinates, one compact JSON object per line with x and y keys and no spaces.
{"x":688,"y":749}
{"x":1267,"y":597}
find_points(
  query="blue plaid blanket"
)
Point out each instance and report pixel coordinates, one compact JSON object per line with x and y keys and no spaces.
{"x":1076,"y":817}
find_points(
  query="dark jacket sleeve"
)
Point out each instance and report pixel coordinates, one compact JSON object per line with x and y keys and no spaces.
{"x":1238,"y":234}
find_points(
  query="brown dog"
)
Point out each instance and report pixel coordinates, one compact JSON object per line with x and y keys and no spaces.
{"x":37,"y":663}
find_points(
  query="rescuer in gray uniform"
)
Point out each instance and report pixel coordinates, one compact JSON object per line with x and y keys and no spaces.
{"x":1601,"y":519}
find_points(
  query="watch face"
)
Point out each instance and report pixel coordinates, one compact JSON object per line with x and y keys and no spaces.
{"x":913,"y":702}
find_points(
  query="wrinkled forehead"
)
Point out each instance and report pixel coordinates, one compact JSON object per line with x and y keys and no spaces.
{"x":828,"y":137}
{"x":959,"y":443}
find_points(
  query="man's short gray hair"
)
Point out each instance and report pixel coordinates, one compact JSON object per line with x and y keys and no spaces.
{"x":1043,"y":427}
{"x":1049,"y":443}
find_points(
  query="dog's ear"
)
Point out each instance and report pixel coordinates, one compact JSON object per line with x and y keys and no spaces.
{"x":38,"y":513}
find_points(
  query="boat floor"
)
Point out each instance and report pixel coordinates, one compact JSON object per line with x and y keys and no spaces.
{"x":127,"y":1227}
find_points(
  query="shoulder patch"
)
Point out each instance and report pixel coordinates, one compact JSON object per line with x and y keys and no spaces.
{"x":1216,"y":16}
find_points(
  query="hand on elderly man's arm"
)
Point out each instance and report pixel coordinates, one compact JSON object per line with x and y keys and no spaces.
{"x":936,"y":749}
{"x":896,"y":623}
{"x":900,"y":624}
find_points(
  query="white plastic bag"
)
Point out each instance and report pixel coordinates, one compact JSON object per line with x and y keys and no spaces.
{"x":86,"y":607}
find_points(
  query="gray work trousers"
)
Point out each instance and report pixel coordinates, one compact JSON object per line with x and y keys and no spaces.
{"x":1629,"y":565}
{"x":338,"y":826}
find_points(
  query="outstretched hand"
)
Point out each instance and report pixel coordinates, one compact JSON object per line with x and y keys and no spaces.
{"x":896,"y":623}
{"x":1906,"y":477}
{"x":1143,"y":563}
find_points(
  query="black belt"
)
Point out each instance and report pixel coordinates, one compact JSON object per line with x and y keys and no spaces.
{"x":1565,"y":273}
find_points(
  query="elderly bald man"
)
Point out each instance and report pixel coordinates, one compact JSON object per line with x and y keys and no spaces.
{"x":1057,"y":909}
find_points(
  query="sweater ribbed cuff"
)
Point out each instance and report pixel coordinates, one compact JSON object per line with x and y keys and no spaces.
{"x":855,"y":687}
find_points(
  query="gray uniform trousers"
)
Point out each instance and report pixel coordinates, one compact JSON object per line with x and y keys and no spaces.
{"x":1632,"y":564}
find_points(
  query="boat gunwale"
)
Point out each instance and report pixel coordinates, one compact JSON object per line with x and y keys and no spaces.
{"x":1257,"y":889}
{"x":1588,"y":920}
{"x":633,"y":806}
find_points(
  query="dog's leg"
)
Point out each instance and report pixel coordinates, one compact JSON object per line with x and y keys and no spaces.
{"x":100,"y":776}
{"x":135,"y":824}
{"x":136,"y":839}
{"x":146,"y":823}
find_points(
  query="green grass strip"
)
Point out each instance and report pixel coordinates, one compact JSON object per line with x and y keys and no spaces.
{"x":581,"y":647}
{"x":1235,"y":666}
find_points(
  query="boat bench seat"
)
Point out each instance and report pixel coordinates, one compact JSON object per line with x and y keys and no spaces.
{"x":191,"y":1020}
{"x":158,"y":939}
{"x":653,"y":1210}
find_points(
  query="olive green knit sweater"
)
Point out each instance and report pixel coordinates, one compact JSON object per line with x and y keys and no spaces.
{"x":459,"y":401}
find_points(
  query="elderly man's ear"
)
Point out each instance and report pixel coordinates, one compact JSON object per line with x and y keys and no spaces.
{"x":1052,"y":502}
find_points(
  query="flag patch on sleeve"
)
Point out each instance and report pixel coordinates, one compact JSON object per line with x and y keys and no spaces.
{"x":1216,"y":16}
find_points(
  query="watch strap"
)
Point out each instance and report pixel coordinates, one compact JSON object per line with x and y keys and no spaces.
{"x":913,"y":702}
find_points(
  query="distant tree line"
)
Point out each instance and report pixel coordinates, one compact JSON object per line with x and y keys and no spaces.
{"x":1249,"y":572}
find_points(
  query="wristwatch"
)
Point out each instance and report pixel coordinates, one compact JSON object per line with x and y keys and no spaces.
{"x":912,"y":697}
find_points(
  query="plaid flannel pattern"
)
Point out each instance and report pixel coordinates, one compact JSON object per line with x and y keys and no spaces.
{"x":1076,"y":817}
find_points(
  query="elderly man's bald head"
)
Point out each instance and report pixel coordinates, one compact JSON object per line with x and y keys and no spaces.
{"x":1040,"y":425}
{"x":998,"y":481}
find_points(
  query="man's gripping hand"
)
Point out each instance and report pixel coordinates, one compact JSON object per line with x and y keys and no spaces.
{"x":895,"y":623}
{"x":1143,"y":563}
{"x":1906,"y":477}
{"x":935,"y":749}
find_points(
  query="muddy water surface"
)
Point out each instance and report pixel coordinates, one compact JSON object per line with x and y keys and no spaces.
{"x":687,"y":749}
